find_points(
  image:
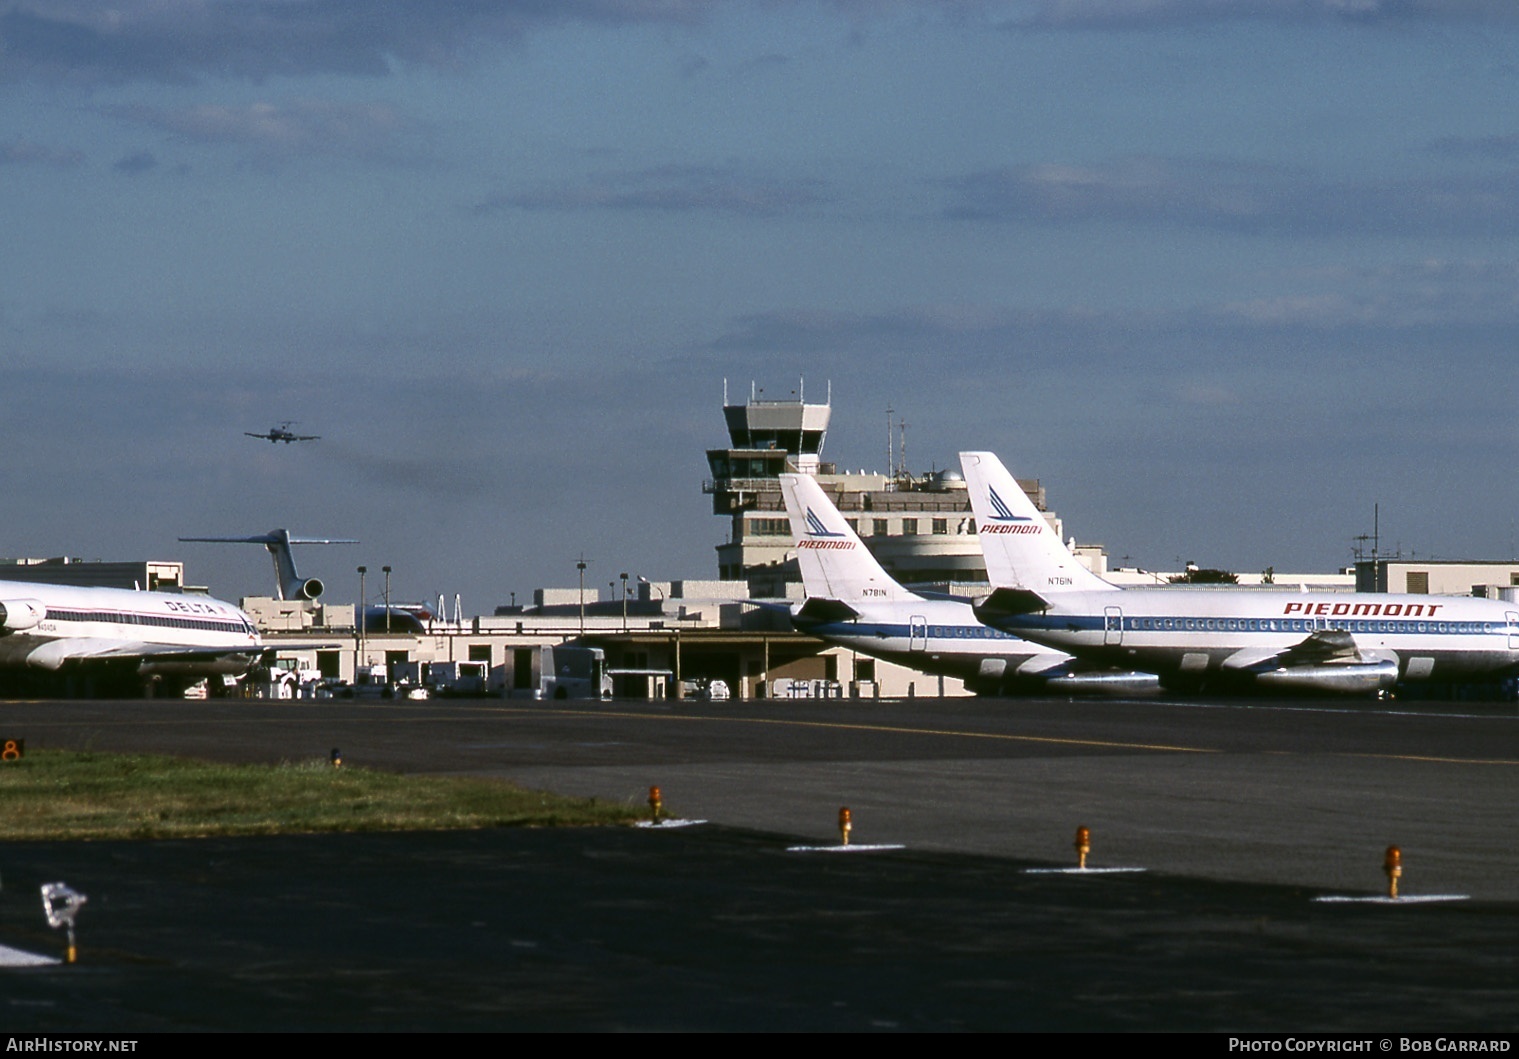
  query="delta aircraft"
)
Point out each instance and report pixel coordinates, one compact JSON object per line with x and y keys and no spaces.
{"x":1309,"y":641}
{"x":852,"y":600}
{"x":88,"y":636}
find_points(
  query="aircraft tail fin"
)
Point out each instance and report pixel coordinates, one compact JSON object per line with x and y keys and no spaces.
{"x":1020,"y":548}
{"x":835,"y":563}
{"x":290,"y":584}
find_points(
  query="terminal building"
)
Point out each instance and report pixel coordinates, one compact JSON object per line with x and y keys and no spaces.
{"x":149,"y":576}
{"x":1493,"y":580}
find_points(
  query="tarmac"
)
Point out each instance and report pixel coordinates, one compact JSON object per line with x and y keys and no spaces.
{"x":1244,"y":815}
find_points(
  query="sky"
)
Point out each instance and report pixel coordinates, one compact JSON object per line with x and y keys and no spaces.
{"x":1228,"y":276}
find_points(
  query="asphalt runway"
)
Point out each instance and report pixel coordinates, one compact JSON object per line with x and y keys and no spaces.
{"x":1241,"y":813}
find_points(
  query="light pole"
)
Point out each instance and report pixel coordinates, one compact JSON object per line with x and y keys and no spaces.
{"x":359,"y":621}
{"x":624,"y":576}
{"x":580,"y":565}
{"x":387,"y":599}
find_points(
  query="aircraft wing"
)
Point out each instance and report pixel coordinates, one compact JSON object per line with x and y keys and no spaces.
{"x":1326,"y":660}
{"x":1044,"y":662}
{"x":1317,"y":648}
{"x":1324,"y":645}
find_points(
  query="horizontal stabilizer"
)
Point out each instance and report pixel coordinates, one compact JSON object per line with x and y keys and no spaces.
{"x":275,"y":537}
{"x":819,"y":610}
{"x":1007,"y":602}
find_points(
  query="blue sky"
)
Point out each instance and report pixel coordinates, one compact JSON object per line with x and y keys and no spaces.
{"x":1223,"y":274}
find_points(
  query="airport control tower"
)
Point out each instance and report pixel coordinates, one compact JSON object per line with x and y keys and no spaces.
{"x":918,"y":526}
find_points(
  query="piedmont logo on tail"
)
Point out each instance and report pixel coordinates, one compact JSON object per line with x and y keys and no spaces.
{"x":852,"y":600}
{"x":815,"y":528}
{"x":141,"y":636}
{"x":1002,"y":519}
{"x":1311,"y":641}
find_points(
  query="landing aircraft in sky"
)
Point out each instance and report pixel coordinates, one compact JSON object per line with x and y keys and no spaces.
{"x":1308,"y":641}
{"x":115,"y":637}
{"x":283,"y":433}
{"x":853,"y":601}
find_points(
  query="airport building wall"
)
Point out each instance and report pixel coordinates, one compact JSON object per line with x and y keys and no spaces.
{"x":1492,"y":580}
{"x":645,"y":663}
{"x":151,"y":575}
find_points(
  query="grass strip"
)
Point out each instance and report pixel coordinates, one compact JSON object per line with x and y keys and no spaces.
{"x":54,"y":794}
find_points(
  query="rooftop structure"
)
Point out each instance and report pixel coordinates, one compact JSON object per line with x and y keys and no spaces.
{"x":918,"y":526}
{"x":150,"y":575}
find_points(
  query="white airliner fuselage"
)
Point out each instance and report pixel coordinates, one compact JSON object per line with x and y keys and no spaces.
{"x":943,"y":636}
{"x":46,"y":627}
{"x":1310,"y":641}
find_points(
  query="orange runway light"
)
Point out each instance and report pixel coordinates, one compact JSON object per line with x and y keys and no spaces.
{"x":1392,"y":864}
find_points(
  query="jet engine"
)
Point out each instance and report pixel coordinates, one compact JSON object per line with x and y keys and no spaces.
{"x":311,"y":588}
{"x":18,"y":614}
{"x":1351,"y":678}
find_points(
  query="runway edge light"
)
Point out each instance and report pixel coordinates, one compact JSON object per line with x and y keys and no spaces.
{"x":1392,"y":864}
{"x":845,"y":826}
{"x":1083,"y":846}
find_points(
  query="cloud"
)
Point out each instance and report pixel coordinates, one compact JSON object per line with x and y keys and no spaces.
{"x":1132,"y":188}
{"x":1235,"y":196}
{"x":181,"y":41}
{"x":187,"y":41}
{"x":1209,"y":395}
{"x":26,"y":152}
{"x":1162,"y":14}
{"x":1492,"y":148}
{"x":675,"y":188}
{"x":136,"y":163}
{"x":1463,"y":312}
{"x":1464,"y":295}
{"x":303,"y":128}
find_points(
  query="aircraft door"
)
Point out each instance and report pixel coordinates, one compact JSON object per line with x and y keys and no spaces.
{"x":917,"y":633}
{"x":1112,"y":625}
{"x":1513,"y":630}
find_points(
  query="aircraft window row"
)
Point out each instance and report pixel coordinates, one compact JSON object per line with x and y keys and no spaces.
{"x":116,"y":617}
{"x":967,"y":632}
{"x":1466,"y":628}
